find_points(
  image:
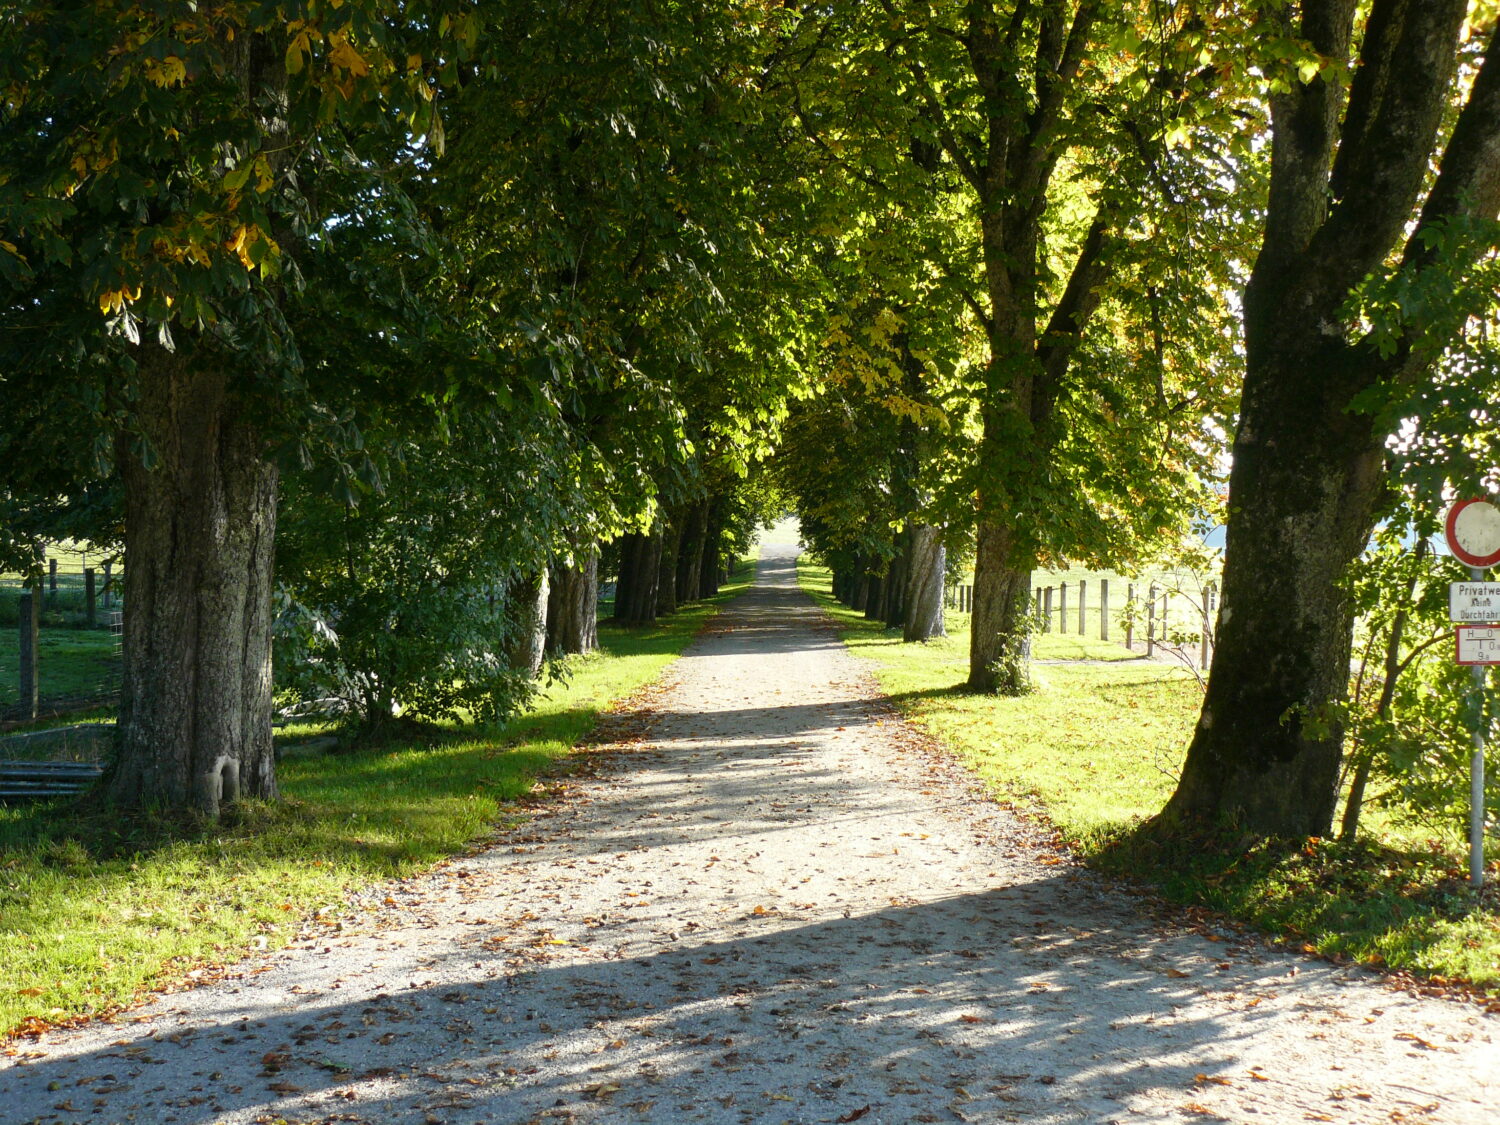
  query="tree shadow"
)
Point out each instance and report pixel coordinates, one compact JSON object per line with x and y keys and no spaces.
{"x":891,"y":1008}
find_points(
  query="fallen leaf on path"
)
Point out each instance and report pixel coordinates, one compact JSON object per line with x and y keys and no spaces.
{"x":1216,"y":1079}
{"x":1417,"y":1039}
{"x":854,"y":1114}
{"x":1177,"y":974}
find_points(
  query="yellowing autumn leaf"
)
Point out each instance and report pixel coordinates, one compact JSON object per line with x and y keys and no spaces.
{"x":166,"y":72}
{"x":345,"y":57}
{"x":296,"y":52}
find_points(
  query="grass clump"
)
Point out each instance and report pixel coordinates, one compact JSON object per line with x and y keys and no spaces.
{"x":95,"y":908}
{"x":1097,"y":750}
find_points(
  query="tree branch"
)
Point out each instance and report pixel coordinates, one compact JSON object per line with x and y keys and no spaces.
{"x":1059,"y":343}
{"x":1468,"y":183}
{"x":1406,"y":70}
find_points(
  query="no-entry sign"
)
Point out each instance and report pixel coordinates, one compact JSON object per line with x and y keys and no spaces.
{"x":1473,"y":532}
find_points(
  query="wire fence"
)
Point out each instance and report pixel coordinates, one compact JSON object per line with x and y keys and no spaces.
{"x":60,"y":637}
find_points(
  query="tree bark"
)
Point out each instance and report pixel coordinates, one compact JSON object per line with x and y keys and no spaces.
{"x":713,"y":531}
{"x":635,"y":592}
{"x":526,"y":601}
{"x":1307,"y":469}
{"x":670,"y":532}
{"x":924,"y":584}
{"x":893,"y":609}
{"x":861,"y":595}
{"x":573,"y":605}
{"x":194,"y":728}
{"x":690,"y":553}
{"x":999,"y":630}
{"x":874,"y":595}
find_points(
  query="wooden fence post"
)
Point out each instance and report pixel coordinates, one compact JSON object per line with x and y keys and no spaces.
{"x":1104,"y":609}
{"x":90,"y":607}
{"x":1083,"y":597}
{"x":52,"y":583}
{"x":1047,"y":613}
{"x":1151,"y":622}
{"x":109,"y":586}
{"x":30,"y":630}
{"x":1062,"y":607}
{"x":1130,"y":615}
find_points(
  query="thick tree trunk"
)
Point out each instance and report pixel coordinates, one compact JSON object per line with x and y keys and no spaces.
{"x":842,"y":586}
{"x":635,"y":593}
{"x":194,"y":728}
{"x":670,"y":532}
{"x":925,"y":576}
{"x":893,"y":609}
{"x":690,"y":553}
{"x":874,"y":595}
{"x":526,"y":600}
{"x":708,"y":574}
{"x":861,"y":596}
{"x":1308,"y":468}
{"x":1000,"y":634}
{"x":1306,"y":475}
{"x":573,"y":606}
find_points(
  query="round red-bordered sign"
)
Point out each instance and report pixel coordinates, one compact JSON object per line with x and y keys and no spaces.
{"x":1473,"y":532}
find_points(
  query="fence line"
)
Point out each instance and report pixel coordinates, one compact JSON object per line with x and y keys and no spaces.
{"x":1176,"y":624}
{"x":65,"y":632}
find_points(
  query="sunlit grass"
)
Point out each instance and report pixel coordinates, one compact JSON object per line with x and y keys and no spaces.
{"x":1097,"y":750}
{"x":93,"y":909}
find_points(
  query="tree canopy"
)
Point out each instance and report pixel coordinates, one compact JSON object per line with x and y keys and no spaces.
{"x":414,"y":317}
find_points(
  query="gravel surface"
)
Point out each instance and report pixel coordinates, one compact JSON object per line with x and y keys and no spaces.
{"x":776,"y":904}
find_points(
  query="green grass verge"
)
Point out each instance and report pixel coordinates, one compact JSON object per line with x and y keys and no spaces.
{"x":72,"y":664}
{"x":93,"y":910}
{"x":1097,"y":750}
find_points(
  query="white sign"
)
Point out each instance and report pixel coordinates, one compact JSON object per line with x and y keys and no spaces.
{"x":1478,"y":644}
{"x":1474,"y":601}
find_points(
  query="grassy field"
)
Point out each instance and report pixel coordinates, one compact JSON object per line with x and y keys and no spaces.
{"x":92,"y":910}
{"x":1097,"y":749}
{"x":72,"y":664}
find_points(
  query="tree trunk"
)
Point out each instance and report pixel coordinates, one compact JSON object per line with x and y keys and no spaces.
{"x":526,"y":602}
{"x":1000,"y":634}
{"x":842,"y":587}
{"x":573,"y":605}
{"x":1304,"y":483}
{"x":194,"y":729}
{"x":874,"y":595}
{"x":690,"y":553}
{"x":894,"y":609}
{"x":635,"y":593}
{"x":670,"y":533}
{"x":713,"y":531}
{"x":924,"y":584}
{"x":1307,"y":468}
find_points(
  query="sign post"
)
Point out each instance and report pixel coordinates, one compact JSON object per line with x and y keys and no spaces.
{"x":1473,"y":534}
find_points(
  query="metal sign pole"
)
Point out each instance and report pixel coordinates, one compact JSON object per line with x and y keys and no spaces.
{"x":1476,"y":767}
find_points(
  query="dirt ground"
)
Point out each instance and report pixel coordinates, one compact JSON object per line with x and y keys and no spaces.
{"x":774,"y":905}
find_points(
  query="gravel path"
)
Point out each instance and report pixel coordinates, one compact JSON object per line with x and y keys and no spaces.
{"x":781,"y":907}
